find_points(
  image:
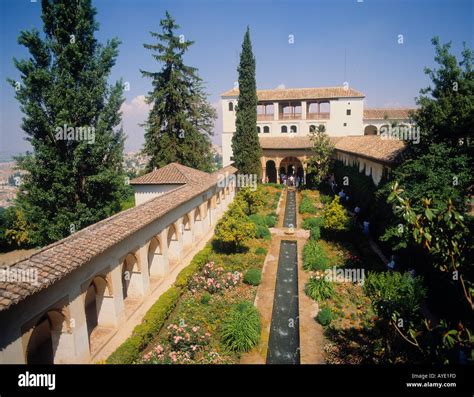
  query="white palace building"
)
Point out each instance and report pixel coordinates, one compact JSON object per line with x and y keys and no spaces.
{"x":285,"y":118}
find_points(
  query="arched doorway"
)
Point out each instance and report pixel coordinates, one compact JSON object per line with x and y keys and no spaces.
{"x":174,"y":249}
{"x":99,"y":305}
{"x":271,"y":172}
{"x":131,"y":277}
{"x":291,"y":166}
{"x":186,"y":232}
{"x":156,"y":260}
{"x":370,"y":130}
{"x":198,"y":224}
{"x":45,"y":339}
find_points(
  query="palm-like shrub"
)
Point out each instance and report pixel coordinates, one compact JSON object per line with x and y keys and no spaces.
{"x":240,"y":332}
{"x":318,"y":288}
{"x":314,"y":256}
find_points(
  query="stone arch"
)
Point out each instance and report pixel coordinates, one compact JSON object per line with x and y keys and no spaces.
{"x":208,"y":212}
{"x":131,"y":277}
{"x":99,"y":305}
{"x":370,"y":130}
{"x":48,"y":339}
{"x":198,"y":223}
{"x":293,"y":129}
{"x":284,"y":129}
{"x":174,"y":247}
{"x":186,"y":231}
{"x":156,"y":260}
{"x":270,"y":169}
{"x":266,"y":129}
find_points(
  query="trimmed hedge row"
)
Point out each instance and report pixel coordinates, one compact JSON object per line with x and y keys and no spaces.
{"x":129,"y":351}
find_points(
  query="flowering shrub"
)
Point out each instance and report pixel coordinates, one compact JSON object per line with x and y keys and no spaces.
{"x":184,"y":343}
{"x":214,"y":279}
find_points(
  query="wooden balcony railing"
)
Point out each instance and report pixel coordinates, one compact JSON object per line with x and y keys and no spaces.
{"x":264,"y":117}
{"x":289,"y":116}
{"x":317,"y":116}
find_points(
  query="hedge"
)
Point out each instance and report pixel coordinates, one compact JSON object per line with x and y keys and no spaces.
{"x":129,"y":351}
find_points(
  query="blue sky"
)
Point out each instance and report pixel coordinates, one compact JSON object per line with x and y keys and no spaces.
{"x":388,"y":73}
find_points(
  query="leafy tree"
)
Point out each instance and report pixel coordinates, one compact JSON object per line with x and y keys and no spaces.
{"x":439,"y":166}
{"x":321,"y":151}
{"x":251,"y":201}
{"x":335,"y":216}
{"x":180,"y":120}
{"x":446,"y":110}
{"x":440,"y":174}
{"x":245,"y":143}
{"x":234,"y":230}
{"x":71,"y":117}
{"x":18,"y":232}
{"x":442,"y":231}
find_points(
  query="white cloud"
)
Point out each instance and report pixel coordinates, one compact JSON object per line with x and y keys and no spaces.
{"x":134,"y":113}
{"x":136,"y":107}
{"x":281,"y":86}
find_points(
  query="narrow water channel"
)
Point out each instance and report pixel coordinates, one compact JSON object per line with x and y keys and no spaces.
{"x":284,"y":342}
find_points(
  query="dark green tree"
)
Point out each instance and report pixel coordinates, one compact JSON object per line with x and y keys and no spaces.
{"x":181,"y":120}
{"x":446,"y":108}
{"x":245,"y":143}
{"x":71,"y":118}
{"x":439,"y":165}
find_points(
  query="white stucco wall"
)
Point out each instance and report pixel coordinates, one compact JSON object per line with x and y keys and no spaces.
{"x":144,"y":193}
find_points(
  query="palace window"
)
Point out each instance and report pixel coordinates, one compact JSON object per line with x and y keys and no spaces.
{"x":348,"y":112}
{"x":345,"y":124}
{"x":284,"y":129}
{"x":231,"y":106}
{"x":293,"y":129}
{"x":312,"y":128}
{"x":258,"y":130}
{"x":266,"y":129}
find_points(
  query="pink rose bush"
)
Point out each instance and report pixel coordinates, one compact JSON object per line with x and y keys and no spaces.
{"x":213,"y":279}
{"x":183,"y":344}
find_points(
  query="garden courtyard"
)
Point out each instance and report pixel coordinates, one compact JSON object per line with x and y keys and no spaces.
{"x":222,"y":306}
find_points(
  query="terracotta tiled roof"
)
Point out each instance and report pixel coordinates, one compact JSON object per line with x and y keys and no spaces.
{"x":171,"y":174}
{"x":390,"y":113}
{"x":371,"y":147}
{"x":57,"y":260}
{"x":300,"y":93}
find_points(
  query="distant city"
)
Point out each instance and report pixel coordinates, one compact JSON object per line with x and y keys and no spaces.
{"x":134,"y":162}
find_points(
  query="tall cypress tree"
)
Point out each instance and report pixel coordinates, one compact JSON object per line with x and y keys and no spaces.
{"x":245,"y":143}
{"x":71,"y":118}
{"x":181,"y":120}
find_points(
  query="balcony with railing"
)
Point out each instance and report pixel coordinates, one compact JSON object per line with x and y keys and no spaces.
{"x":317,"y":111}
{"x":290,"y":111}
{"x":265,"y":117}
{"x":317,"y":116}
{"x":265,"y":112}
